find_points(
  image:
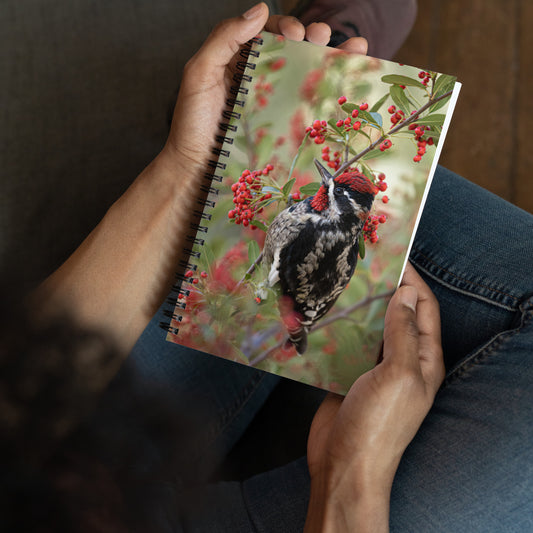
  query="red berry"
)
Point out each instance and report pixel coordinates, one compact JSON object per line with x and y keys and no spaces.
{"x":382,"y":186}
{"x":347,"y":121}
{"x":382,"y":219}
{"x":392,"y":109}
{"x":340,"y":123}
{"x":189,"y":274}
{"x":381,"y":176}
{"x":257,"y":299}
{"x":203,"y":274}
{"x":417,"y":158}
{"x":356,"y":125}
{"x":363,"y":107}
{"x":355,"y":113}
{"x":385,"y":199}
{"x":342,"y":100}
{"x":195,"y":281}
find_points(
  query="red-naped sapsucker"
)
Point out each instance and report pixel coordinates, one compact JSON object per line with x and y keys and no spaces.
{"x":311,"y":249}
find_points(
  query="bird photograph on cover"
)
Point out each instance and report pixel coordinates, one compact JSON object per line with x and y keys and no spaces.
{"x":311,"y":211}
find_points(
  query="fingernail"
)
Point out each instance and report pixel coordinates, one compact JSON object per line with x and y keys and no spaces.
{"x":409,"y":297}
{"x":253,"y":11}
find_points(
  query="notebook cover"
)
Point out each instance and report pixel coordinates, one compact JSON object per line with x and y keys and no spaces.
{"x":306,"y":102}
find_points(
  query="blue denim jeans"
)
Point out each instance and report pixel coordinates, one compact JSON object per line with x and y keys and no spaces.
{"x":470,"y":467}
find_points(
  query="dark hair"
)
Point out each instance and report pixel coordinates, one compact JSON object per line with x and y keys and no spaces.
{"x":65,"y":468}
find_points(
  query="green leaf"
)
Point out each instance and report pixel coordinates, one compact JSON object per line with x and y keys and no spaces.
{"x":333,"y":124}
{"x":379,"y":103}
{"x":253,"y":251}
{"x":432,"y":120}
{"x":399,"y":98}
{"x":378,"y":119}
{"x":443,"y":84}
{"x":267,"y":188}
{"x":362,"y":250}
{"x":287,"y":187}
{"x":439,"y":104}
{"x":374,"y":154}
{"x":310,"y":188}
{"x":259,"y":225}
{"x":374,"y":119}
{"x":396,"y":79}
{"x":367,"y":172}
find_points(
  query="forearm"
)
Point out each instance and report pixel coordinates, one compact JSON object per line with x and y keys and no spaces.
{"x":119,"y":275}
{"x":350,"y":504}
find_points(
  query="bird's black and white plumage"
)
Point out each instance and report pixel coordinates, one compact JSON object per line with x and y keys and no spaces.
{"x":311,"y":249}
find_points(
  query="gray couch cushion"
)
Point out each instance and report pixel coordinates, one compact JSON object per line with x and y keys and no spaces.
{"x":86,"y":90}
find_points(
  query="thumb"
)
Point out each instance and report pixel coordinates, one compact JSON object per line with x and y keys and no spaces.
{"x":401,"y":334}
{"x":224,"y":42}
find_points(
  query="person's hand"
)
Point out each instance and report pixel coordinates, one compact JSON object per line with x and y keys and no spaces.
{"x":208,"y":77}
{"x":356,"y":443}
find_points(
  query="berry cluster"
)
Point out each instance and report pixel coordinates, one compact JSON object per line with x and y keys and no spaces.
{"x":347,"y":122}
{"x":424,"y":77}
{"x":277,"y":64}
{"x":247,"y":194}
{"x":334,"y":163}
{"x":318,"y":131}
{"x":263,"y":90}
{"x":371,"y":226}
{"x":421,"y":142}
{"x":396,"y":115}
{"x":382,"y":186}
{"x":385,"y":145}
{"x":309,"y":87}
{"x":194,"y":280}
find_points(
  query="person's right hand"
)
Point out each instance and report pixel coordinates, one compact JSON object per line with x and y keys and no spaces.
{"x":356,"y":443}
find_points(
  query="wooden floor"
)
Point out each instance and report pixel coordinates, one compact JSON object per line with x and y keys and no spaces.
{"x":488,"y":45}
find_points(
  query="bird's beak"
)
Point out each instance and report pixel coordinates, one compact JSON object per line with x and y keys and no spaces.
{"x":324,"y":174}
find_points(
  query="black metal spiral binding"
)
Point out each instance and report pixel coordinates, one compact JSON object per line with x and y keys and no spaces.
{"x":183,"y":277}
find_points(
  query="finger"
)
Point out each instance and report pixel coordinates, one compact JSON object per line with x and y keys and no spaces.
{"x":401,"y":334}
{"x":224,"y":42}
{"x":289,"y":27}
{"x":355,"y":45}
{"x":428,"y":319}
{"x":318,"y":33}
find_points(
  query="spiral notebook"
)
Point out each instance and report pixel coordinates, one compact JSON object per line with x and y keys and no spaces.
{"x":324,"y":161}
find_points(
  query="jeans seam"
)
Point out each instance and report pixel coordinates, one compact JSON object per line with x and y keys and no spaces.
{"x":484,"y":351}
{"x":230,"y":413}
{"x":466,"y":280}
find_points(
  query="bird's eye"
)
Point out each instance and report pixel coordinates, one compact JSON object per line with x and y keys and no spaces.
{"x":338,"y":190}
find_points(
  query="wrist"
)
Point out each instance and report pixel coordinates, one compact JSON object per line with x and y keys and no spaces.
{"x":348,"y":500}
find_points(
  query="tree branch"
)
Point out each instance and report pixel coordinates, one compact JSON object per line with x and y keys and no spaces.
{"x":406,"y":122}
{"x":250,"y":270}
{"x":342,"y":314}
